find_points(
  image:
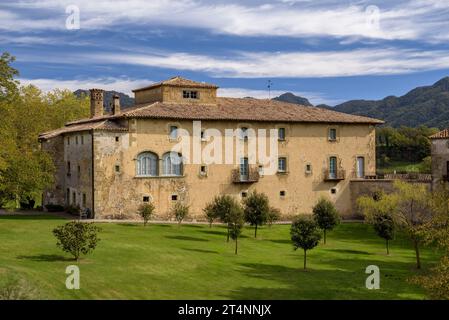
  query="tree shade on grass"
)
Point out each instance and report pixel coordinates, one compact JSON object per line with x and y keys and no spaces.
{"x":195,"y":262}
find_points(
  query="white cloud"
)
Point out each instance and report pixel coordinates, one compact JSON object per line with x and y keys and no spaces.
{"x":404,"y":19}
{"x":357,"y":62}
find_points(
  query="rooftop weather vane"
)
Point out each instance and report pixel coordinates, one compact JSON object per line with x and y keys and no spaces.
{"x":270,"y":84}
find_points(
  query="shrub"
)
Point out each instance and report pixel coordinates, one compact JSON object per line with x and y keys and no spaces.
{"x":180,"y":212}
{"x":77,"y":238}
{"x":146,"y":210}
{"x":305,"y":235}
{"x":384,"y":227}
{"x":325,"y":215}
{"x":256,"y":209}
{"x":74,"y":210}
{"x":54,"y":207}
{"x":274,"y":214}
{"x":17,"y":289}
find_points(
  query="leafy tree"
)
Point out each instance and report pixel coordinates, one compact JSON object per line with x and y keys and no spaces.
{"x":209,"y":213}
{"x":256,"y":208}
{"x":220,"y":207}
{"x":273,"y":215}
{"x":436,"y":231}
{"x":146,"y":211}
{"x":305,"y":235}
{"x":236,"y":221}
{"x":77,"y":238}
{"x":8,"y":85}
{"x":325,"y":215}
{"x":384,"y":227}
{"x":409,"y":208}
{"x":180,"y":212}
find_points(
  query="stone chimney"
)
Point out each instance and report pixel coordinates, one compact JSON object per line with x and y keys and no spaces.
{"x":116,"y":104}
{"x":96,"y":102}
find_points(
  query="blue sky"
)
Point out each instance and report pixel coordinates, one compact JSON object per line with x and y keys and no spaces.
{"x":329,"y":51}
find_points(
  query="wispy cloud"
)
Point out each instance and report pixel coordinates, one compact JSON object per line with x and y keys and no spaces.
{"x":403,"y":19}
{"x":357,"y":62}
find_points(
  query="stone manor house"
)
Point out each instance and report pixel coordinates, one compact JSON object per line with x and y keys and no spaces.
{"x":113,"y":162}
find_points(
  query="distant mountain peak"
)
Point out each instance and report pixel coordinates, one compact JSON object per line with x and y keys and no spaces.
{"x":427,"y":105}
{"x":292,"y":98}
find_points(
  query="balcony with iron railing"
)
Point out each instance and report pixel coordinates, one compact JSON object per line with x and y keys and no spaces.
{"x":250,"y":176}
{"x":337,"y":175}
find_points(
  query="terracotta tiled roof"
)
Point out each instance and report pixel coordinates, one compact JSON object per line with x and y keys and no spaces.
{"x":179,"y":82}
{"x":238,"y":109}
{"x":441,"y":135}
{"x":97,"y":125}
{"x":246,"y":110}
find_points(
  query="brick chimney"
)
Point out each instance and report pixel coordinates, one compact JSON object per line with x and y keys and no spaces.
{"x":116,"y":104}
{"x":96,"y":102}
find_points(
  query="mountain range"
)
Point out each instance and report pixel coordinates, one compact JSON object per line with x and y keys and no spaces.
{"x":428,"y":105}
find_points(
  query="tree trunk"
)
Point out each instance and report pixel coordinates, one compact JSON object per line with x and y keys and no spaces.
{"x":388,"y":250}
{"x":236,"y":245}
{"x":418,"y":260}
{"x":210,"y":224}
{"x":228,"y":234}
{"x":324,"y":231}
{"x":255,"y":231}
{"x":305,"y":258}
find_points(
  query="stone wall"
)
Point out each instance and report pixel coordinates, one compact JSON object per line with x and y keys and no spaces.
{"x":120,"y":193}
{"x":440,"y":157}
{"x":55,"y":194}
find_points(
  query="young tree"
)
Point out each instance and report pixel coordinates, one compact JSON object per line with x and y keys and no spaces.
{"x":325,"y":215}
{"x":256,"y":208}
{"x":273,"y":215}
{"x":77,"y":238}
{"x":409,"y":207}
{"x":180,"y":212}
{"x":384,"y":227}
{"x":235,"y":222}
{"x":305,"y":235}
{"x":220,"y":208}
{"x":209,"y":213}
{"x":146,"y":211}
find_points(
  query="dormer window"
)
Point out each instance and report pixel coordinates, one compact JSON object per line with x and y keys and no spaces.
{"x":188,"y":94}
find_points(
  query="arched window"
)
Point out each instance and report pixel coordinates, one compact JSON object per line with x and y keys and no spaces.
{"x":147,"y":165}
{"x":172,"y":164}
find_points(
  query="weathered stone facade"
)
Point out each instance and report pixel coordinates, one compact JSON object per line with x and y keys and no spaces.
{"x":440,"y":157}
{"x":109,"y":185}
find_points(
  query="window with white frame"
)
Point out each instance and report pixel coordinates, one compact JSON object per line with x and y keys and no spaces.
{"x":282,"y":164}
{"x":281,"y":134}
{"x":332,"y":134}
{"x":172,"y":164}
{"x":147,"y":164}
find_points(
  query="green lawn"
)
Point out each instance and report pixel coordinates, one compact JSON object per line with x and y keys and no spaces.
{"x":403,"y":166}
{"x":195,"y":262}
